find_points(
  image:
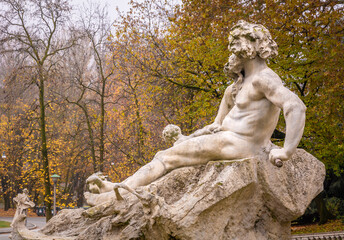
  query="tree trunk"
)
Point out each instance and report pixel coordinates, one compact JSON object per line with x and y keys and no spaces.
{"x":6,"y":195}
{"x":140,"y":140}
{"x":44,"y":149}
{"x":90,"y":133}
{"x":324,"y":214}
{"x":80,"y":192}
{"x":102,"y":123}
{"x":7,"y":201}
{"x":83,"y":107}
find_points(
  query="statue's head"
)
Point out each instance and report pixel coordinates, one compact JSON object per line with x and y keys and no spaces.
{"x":247,"y":40}
{"x":95,"y":182}
{"x":171,"y":133}
{"x":25,"y":191}
{"x":23,"y":202}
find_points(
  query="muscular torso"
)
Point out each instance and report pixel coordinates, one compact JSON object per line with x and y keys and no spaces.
{"x":253,"y":117}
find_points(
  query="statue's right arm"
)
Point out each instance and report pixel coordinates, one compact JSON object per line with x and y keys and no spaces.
{"x":225,"y":106}
{"x":294,"y":110}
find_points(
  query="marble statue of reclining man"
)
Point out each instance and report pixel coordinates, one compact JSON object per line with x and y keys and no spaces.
{"x":247,"y":116}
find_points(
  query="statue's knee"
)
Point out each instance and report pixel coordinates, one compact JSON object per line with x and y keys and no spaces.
{"x":168,"y":160}
{"x":171,"y":163}
{"x":159,"y":154}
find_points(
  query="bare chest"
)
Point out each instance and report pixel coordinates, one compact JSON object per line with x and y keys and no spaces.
{"x":248,"y":97}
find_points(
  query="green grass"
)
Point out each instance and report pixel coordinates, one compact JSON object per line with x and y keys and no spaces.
{"x":331,"y":226}
{"x":4,"y":224}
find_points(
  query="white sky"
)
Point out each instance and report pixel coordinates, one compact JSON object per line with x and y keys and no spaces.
{"x":112,"y":4}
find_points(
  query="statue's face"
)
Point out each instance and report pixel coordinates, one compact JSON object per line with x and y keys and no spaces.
{"x":93,"y":187}
{"x":234,"y":66}
{"x":242,"y":46}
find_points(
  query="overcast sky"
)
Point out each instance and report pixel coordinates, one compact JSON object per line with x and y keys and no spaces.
{"x":112,"y":4}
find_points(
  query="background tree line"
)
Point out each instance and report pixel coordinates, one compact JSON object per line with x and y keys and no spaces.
{"x":85,"y":95}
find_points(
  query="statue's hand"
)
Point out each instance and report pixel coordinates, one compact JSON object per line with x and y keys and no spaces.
{"x":278,"y":154}
{"x":213,"y":128}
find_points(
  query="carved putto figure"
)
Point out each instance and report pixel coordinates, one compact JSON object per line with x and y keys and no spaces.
{"x":246,"y":119}
{"x":97,"y":183}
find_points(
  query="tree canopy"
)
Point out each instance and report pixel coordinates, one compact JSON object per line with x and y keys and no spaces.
{"x":87,"y":95}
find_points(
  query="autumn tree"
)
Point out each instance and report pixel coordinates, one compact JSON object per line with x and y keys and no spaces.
{"x":19,"y":167}
{"x":31,"y":28}
{"x":96,"y":29}
{"x":101,"y":100}
{"x":186,"y":46}
{"x":310,"y":38}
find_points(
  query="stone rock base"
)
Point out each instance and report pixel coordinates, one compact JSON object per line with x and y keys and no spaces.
{"x":241,"y":200}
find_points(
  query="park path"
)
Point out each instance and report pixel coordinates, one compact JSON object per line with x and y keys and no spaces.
{"x":320,"y":236}
{"x":39,"y":222}
{"x":34,"y":223}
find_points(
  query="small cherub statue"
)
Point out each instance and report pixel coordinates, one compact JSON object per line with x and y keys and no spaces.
{"x":173,"y":135}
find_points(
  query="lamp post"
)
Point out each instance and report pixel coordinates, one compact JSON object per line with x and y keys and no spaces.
{"x":55,"y":178}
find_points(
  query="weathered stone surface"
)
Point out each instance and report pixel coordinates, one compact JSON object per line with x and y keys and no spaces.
{"x":244,"y":199}
{"x":290,"y":189}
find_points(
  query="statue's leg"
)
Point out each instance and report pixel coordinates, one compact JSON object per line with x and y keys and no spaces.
{"x":202,"y":149}
{"x":148,"y":173}
{"x":198,"y":150}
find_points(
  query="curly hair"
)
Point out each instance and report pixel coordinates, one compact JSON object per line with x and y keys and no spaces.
{"x":266,"y":47}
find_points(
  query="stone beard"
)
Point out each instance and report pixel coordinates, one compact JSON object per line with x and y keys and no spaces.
{"x":233,"y":67}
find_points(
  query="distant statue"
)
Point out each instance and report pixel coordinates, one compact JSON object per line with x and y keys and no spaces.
{"x":247,"y":116}
{"x":23,"y":203}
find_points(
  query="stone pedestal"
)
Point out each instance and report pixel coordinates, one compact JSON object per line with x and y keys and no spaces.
{"x":242,"y":199}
